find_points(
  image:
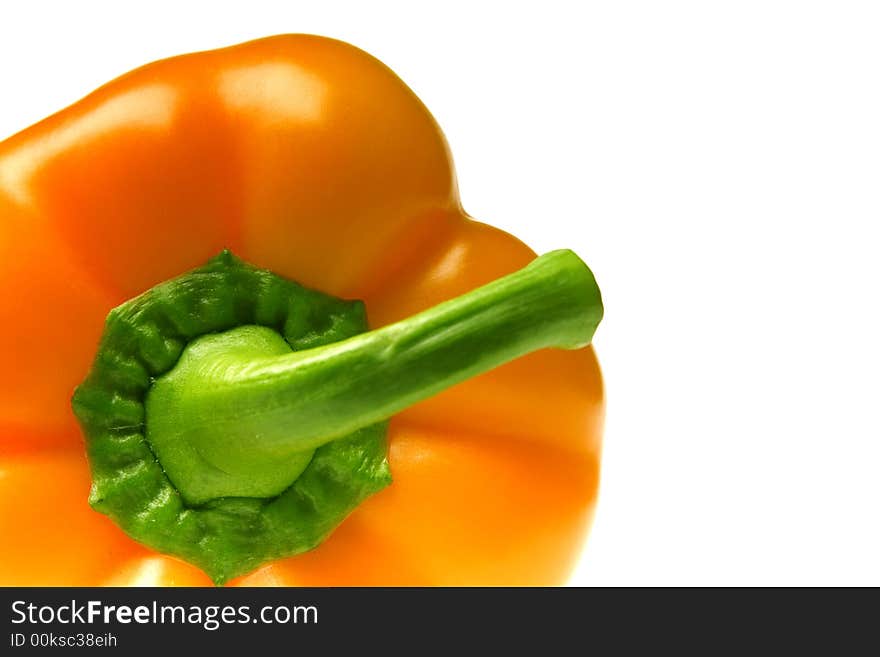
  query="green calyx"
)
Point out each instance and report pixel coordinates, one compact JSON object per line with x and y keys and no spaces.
{"x":144,"y":339}
{"x":233,"y":417}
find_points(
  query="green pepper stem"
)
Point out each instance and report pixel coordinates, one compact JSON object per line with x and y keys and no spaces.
{"x":245,"y":408}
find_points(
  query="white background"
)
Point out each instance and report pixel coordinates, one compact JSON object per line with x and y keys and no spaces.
{"x":718,"y":166}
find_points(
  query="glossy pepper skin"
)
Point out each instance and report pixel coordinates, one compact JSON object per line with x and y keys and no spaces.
{"x":308,"y":157}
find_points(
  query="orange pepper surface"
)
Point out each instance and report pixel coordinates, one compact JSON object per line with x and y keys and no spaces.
{"x":308,"y":157}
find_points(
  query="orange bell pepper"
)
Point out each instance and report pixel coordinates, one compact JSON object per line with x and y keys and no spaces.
{"x":305,"y":156}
